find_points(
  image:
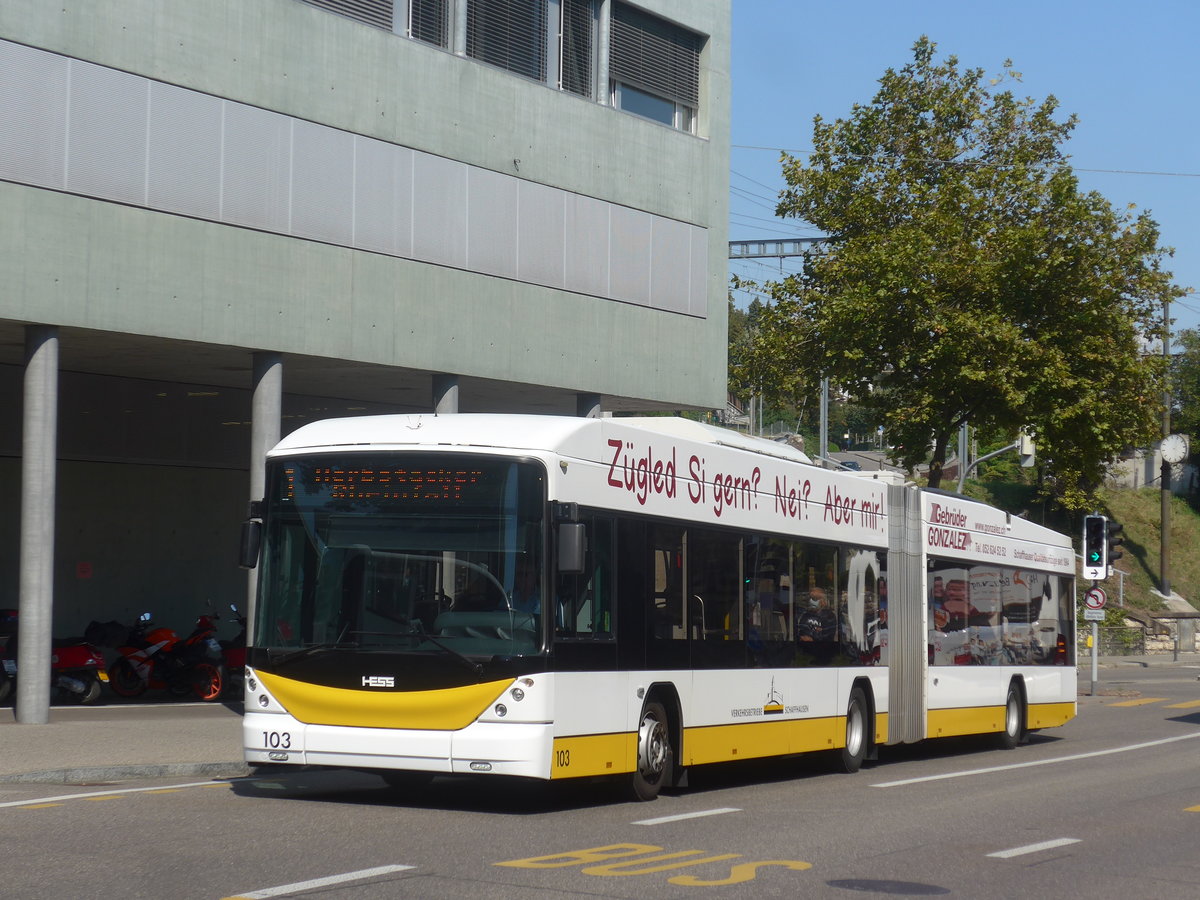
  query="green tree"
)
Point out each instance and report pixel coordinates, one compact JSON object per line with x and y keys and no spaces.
{"x":1185,"y":384}
{"x":967,"y":278}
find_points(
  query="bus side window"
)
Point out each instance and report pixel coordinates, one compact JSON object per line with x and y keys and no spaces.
{"x":667,"y":607}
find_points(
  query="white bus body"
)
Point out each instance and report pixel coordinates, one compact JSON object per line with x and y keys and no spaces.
{"x":735,"y":602}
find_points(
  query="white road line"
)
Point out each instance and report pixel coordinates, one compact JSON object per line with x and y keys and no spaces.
{"x":682,"y":816}
{"x":141,"y":790}
{"x":1034,"y":848}
{"x":1036,"y":762}
{"x":301,"y":886}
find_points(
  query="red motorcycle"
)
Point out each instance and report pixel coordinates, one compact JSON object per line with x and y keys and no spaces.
{"x":234,"y":651}
{"x":157,"y":658}
{"x":76,"y":667}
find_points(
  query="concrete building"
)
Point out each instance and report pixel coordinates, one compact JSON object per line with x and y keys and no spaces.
{"x":220,"y":219}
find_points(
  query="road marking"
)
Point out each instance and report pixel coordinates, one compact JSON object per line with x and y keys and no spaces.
{"x":1191,"y":704}
{"x":1192,"y":809}
{"x":692,"y":815}
{"x":315,"y":883}
{"x":1036,"y":762}
{"x":1034,"y":848}
{"x":109,"y":794}
{"x":1142,"y":702}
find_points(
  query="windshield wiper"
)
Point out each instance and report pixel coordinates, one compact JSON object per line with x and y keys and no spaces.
{"x":311,"y":650}
{"x":419,"y":632}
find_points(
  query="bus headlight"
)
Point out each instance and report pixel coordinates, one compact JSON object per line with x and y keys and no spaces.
{"x":517,"y":694}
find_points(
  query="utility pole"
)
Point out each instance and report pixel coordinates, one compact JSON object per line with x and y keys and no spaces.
{"x":1164,"y":466}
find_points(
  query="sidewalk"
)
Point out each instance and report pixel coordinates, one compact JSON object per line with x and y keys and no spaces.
{"x":120,"y":740}
{"x":123,"y":740}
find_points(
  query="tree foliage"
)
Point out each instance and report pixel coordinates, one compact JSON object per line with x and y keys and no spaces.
{"x":967,"y":277}
{"x":1185,"y":384}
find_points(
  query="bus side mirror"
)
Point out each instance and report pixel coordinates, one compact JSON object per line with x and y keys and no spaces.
{"x":251,"y":543}
{"x":572,"y":547}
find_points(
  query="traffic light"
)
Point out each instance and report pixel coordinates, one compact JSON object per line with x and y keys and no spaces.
{"x":1095,"y":547}
{"x":1114,"y":539}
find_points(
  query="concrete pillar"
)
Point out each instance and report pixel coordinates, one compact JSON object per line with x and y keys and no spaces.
{"x":445,"y":394}
{"x":39,"y":454}
{"x":265,"y":415}
{"x":587,"y":406}
{"x":603,"y":40}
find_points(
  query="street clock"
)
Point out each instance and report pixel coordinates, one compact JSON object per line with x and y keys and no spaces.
{"x":1174,"y":448}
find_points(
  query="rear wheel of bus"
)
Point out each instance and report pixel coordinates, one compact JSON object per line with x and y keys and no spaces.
{"x":857,"y":736}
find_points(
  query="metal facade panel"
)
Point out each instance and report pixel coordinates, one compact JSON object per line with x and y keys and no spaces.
{"x":491,"y":238}
{"x":33,"y":115}
{"x":439,"y":210}
{"x":106,"y":133}
{"x":540,"y":226}
{"x":184,"y":155}
{"x":670,"y":267}
{"x":631,"y":238}
{"x":383,"y":175}
{"x":257,"y":168}
{"x":322,"y":195}
{"x":586,"y":233}
{"x":698,"y":276}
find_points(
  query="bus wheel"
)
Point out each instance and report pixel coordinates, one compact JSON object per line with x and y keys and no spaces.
{"x":855,"y":751}
{"x":1014,"y":719}
{"x":655,"y":756}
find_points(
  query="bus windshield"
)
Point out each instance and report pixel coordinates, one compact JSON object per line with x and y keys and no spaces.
{"x":402,"y":552}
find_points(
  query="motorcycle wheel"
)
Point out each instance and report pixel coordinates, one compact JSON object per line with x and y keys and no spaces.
{"x":208,"y":681}
{"x":91,"y":694}
{"x":124,"y":679}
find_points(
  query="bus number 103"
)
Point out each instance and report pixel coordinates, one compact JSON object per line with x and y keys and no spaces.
{"x":277,"y":740}
{"x":562,"y":759}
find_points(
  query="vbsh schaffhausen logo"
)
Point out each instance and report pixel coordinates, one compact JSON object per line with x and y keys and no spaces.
{"x":772,"y":706}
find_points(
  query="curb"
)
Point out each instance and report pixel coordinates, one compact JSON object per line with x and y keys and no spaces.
{"x":91,"y":774}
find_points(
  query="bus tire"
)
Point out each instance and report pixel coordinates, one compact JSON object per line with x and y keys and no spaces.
{"x":1014,"y":719}
{"x":858,"y":739}
{"x":655,"y":755}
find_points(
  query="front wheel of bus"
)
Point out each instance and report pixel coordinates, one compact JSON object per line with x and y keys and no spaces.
{"x":855,"y":751}
{"x":655,"y":756}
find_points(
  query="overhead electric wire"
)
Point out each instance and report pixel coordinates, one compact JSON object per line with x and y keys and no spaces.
{"x":809,"y":150}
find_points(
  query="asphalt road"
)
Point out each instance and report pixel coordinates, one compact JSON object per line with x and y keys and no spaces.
{"x":1105,"y":807}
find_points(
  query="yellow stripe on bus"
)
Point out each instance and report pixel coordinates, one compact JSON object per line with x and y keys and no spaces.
{"x":445,"y":710}
{"x":723,"y":743}
{"x":1050,"y":715}
{"x":616,"y":754}
{"x":969,"y":720}
{"x":593,"y":754}
{"x":986,"y":719}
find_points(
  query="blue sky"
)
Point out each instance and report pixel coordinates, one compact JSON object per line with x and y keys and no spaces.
{"x":1127,"y":70}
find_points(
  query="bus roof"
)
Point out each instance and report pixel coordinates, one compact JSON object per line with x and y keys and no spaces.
{"x":567,"y":435}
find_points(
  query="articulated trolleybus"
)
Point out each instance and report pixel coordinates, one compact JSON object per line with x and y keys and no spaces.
{"x":554,"y":597}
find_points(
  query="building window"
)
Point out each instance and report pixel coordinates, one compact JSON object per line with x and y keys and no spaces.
{"x":427,"y":21}
{"x":654,"y":67}
{"x":369,"y":12}
{"x":510,"y":34}
{"x":576,"y":55}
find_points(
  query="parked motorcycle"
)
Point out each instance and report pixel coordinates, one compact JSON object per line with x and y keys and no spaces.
{"x":234,"y":651}
{"x":157,"y":658}
{"x":76,"y":667}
